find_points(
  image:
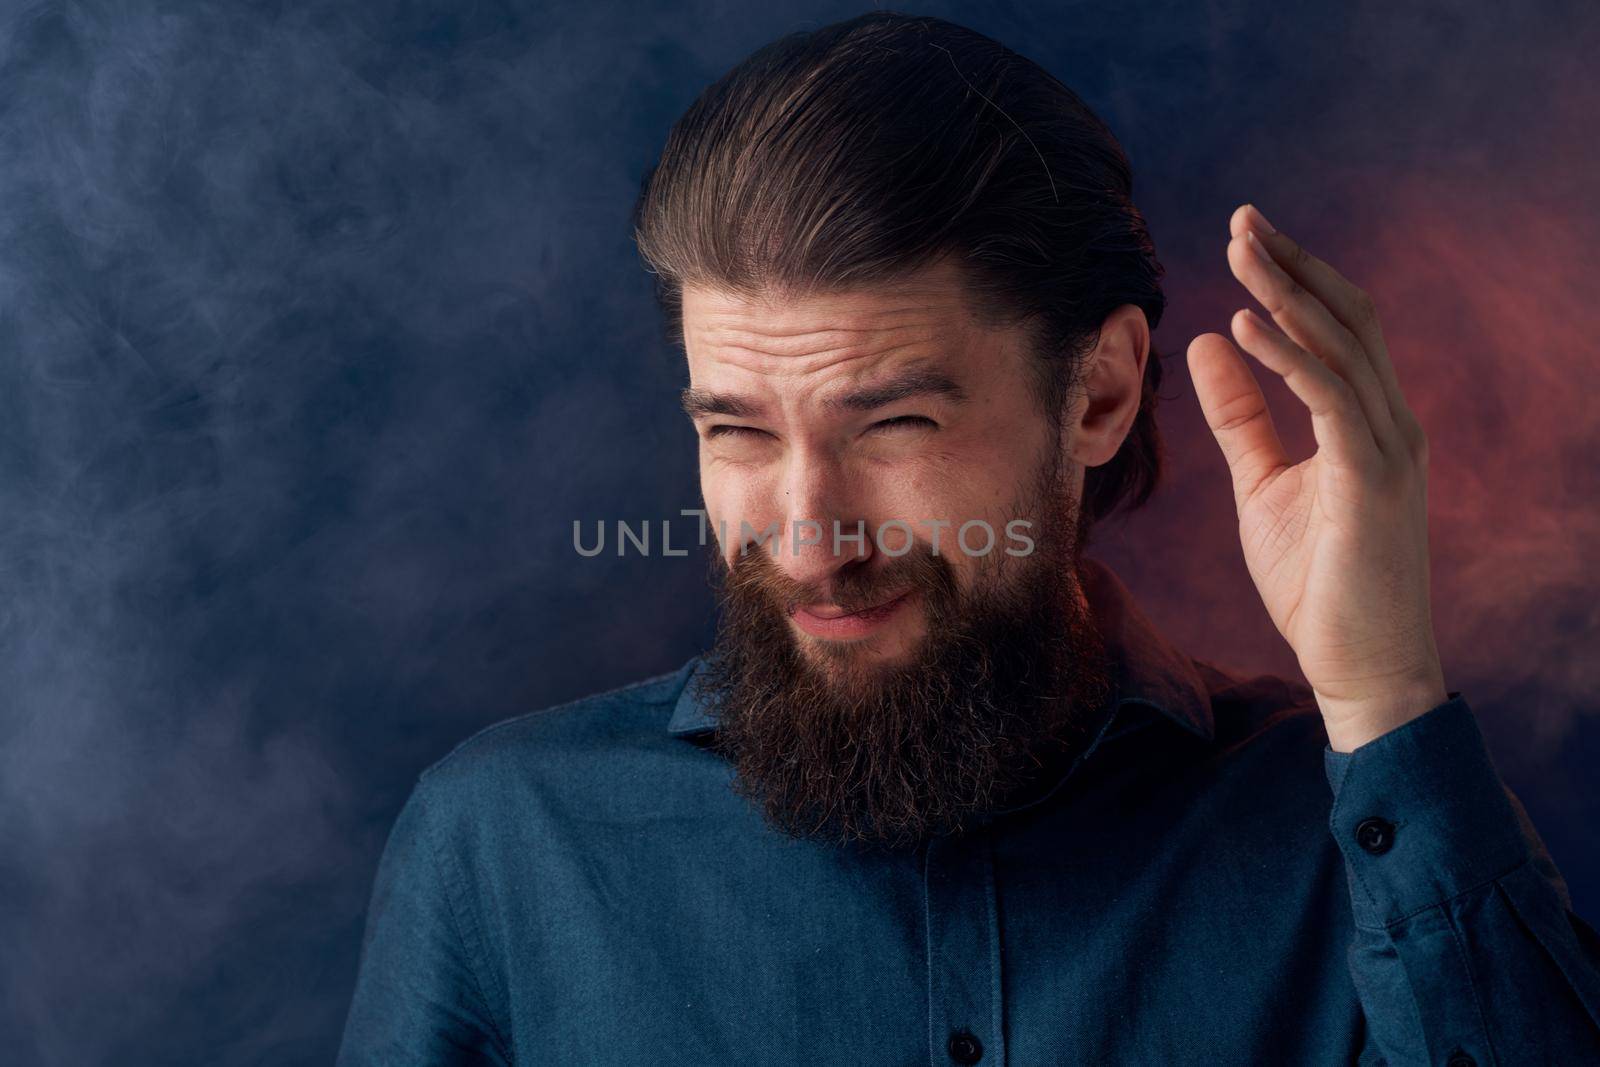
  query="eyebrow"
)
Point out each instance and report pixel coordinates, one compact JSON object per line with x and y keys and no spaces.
{"x":903,"y":386}
{"x":700,"y":402}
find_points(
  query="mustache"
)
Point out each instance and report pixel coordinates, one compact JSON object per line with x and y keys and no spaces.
{"x":754,"y":576}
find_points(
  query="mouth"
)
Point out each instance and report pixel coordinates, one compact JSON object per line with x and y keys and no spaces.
{"x":834,"y":623}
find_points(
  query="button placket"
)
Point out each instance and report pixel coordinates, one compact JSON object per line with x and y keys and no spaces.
{"x":963,"y":951}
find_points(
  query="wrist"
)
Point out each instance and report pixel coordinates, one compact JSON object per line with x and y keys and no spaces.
{"x":1353,"y":723}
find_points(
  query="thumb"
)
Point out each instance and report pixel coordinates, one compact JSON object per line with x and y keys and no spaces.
{"x":1236,"y":411}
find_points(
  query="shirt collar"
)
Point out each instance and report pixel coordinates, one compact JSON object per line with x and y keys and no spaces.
{"x":1151,"y":679}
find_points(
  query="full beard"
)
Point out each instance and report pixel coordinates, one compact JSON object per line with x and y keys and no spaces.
{"x":1004,"y":683}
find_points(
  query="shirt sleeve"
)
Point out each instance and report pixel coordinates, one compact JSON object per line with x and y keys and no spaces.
{"x":418,"y":997}
{"x":1466,"y":949}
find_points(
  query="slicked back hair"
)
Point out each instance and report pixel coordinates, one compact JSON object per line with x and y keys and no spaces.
{"x":852,"y":155}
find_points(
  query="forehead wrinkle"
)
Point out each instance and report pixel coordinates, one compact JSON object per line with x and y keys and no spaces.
{"x":815,"y":326}
{"x":833,"y":344}
{"x":862,"y":391}
{"x":790,"y":368}
{"x":819,"y":340}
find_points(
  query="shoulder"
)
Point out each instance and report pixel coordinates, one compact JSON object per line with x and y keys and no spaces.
{"x":577,"y":740}
{"x":1265,"y":768}
{"x":1256,"y":709}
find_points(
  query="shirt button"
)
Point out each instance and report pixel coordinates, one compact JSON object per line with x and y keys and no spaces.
{"x":1461,"y":1059}
{"x":1375,"y":835}
{"x":964,"y":1047}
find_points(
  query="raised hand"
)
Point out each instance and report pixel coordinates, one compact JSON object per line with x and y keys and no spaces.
{"x":1338,"y":543}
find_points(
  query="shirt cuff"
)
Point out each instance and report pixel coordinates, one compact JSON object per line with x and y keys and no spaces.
{"x":1421,"y":815}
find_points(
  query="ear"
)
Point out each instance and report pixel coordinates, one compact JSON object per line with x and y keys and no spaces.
{"x":1108,"y":395}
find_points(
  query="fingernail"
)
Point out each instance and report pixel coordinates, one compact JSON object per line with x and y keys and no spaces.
{"x":1266,"y":227}
{"x":1257,"y":247}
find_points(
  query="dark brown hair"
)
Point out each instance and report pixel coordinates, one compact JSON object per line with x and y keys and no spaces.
{"x":856,"y":153}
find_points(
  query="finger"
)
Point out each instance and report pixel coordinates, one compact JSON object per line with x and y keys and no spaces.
{"x":1237,"y":413}
{"x":1337,"y":421}
{"x":1350,"y":304}
{"x":1312,"y":326}
{"x":1341,"y":297}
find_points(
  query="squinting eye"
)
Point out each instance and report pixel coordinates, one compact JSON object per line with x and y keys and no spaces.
{"x":735,"y":431}
{"x":906,"y":421}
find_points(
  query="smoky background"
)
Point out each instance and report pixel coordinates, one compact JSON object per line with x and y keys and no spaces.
{"x":321,"y":323}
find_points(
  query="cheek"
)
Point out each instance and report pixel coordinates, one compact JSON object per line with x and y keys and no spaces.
{"x":986,"y":495}
{"x":949,"y":492}
{"x":737,"y":503}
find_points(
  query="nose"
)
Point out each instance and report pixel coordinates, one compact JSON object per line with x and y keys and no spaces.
{"x":824,"y":531}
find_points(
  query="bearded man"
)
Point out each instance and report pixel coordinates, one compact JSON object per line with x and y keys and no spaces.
{"x":938,"y":797}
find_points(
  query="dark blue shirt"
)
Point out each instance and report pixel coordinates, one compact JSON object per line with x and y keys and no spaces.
{"x":1208,"y":882}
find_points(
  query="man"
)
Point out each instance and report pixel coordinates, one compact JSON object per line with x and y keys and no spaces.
{"x":941,"y":794}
